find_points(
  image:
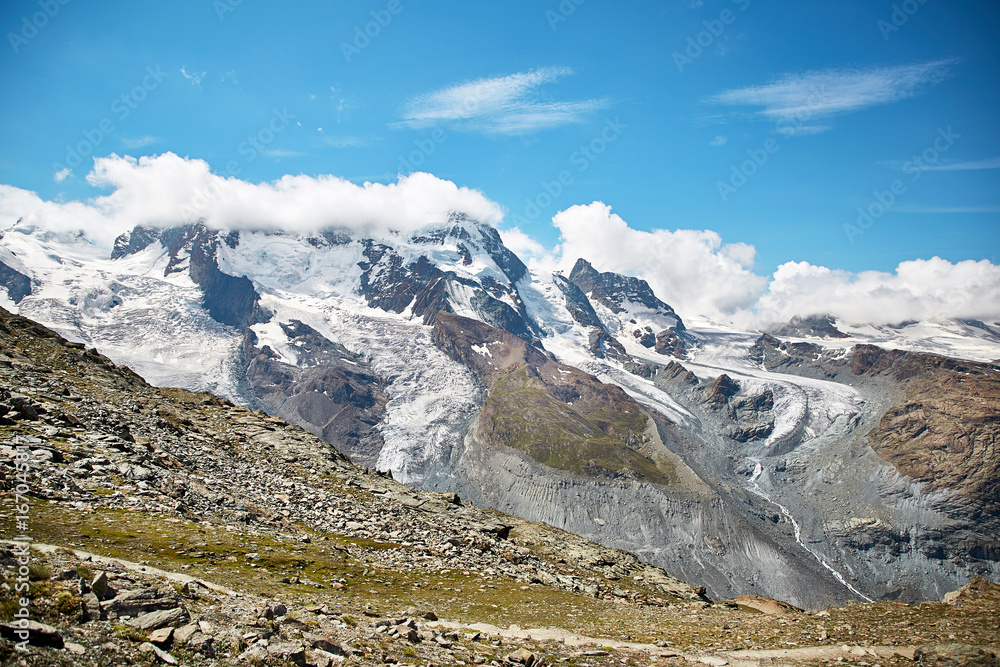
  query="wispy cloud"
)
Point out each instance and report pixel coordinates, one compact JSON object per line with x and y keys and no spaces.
{"x":948,"y":209}
{"x":195,"y":77}
{"x":504,"y":105}
{"x":281,"y":152}
{"x":794,"y":130}
{"x":916,"y":165}
{"x":797,"y":101}
{"x":973,"y":165}
{"x":348,"y":141}
{"x":62,"y":175}
{"x":718,"y":141}
{"x":139,"y":142}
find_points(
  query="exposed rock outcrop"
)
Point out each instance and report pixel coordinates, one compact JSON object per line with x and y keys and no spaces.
{"x":330,"y":391}
{"x":230,"y":300}
{"x":13,"y":276}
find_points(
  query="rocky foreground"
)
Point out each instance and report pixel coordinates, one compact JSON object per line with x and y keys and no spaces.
{"x":162,"y":526}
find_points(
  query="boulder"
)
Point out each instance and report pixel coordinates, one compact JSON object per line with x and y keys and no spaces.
{"x":155,"y":620}
{"x":37,"y":634}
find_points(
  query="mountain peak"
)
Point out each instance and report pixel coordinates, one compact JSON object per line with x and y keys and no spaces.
{"x":617,"y":291}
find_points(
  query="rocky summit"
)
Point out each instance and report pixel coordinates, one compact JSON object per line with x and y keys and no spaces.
{"x":162,"y":526}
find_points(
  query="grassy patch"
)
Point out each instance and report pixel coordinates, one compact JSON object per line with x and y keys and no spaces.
{"x":591,"y":435}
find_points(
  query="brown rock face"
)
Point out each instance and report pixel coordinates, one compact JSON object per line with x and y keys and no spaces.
{"x":946,"y":432}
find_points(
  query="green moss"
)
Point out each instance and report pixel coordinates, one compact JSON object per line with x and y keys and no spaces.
{"x":39,"y":572}
{"x":129,"y":633}
{"x":8,"y":607}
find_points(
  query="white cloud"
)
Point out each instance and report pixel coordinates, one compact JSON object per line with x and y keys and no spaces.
{"x":521,"y":244}
{"x":139,"y":142}
{"x":168,"y":190}
{"x":693,"y":270}
{"x":795,"y":101}
{"x":699,"y":275}
{"x":195,"y":77}
{"x":974,"y":165}
{"x":917,"y":290}
{"x":504,"y":105}
{"x":62,"y":175}
{"x":281,"y":152}
{"x":689,"y":269}
{"x":718,"y":141}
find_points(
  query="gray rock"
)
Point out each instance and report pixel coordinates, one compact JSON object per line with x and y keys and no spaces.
{"x":254,"y":654}
{"x":327,"y":659}
{"x":407,"y":632}
{"x":136,"y":603}
{"x":91,"y":608}
{"x":293,"y":653}
{"x":38,"y":634}
{"x":155,"y":620}
{"x":184,"y":633}
{"x":160,"y":655}
{"x":522,"y":657}
{"x":162,"y":637}
{"x":75,"y":649}
{"x":201,"y":642}
{"x":99,"y":586}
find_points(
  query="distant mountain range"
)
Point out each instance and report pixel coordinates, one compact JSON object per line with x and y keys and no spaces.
{"x":819,"y":462}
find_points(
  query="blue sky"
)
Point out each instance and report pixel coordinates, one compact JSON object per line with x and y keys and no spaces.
{"x":618,"y":100}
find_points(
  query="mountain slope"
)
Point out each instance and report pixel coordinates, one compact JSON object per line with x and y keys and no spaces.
{"x":752,"y":472}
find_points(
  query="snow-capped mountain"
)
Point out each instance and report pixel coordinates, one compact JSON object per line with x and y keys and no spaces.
{"x":753,"y":464}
